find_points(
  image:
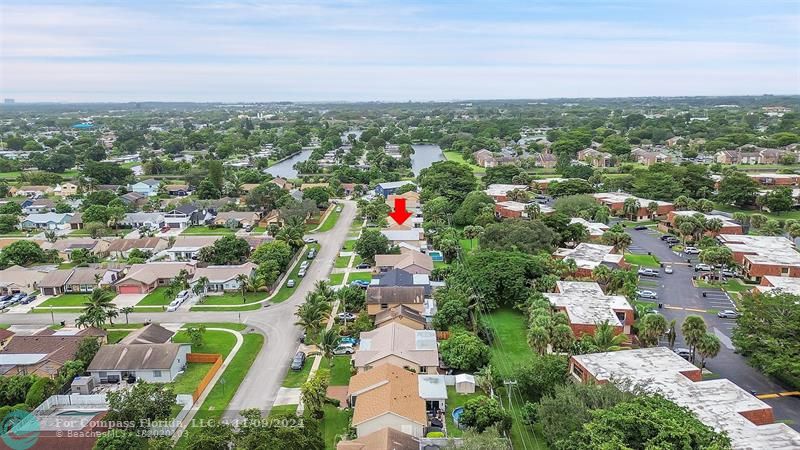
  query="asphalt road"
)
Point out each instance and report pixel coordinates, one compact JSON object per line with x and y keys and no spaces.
{"x":275,"y":322}
{"x":676,"y":292}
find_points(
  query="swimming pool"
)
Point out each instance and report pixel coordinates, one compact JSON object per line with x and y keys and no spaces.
{"x":457,"y":412}
{"x":436,"y":255}
{"x":76,"y":412}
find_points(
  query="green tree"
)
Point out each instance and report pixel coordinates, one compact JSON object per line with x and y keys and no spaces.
{"x":481,"y":413}
{"x":737,"y":189}
{"x":371,"y":243}
{"x":143,"y":403}
{"x":449,"y":179}
{"x":98,"y":309}
{"x":119,"y":439}
{"x":196,"y":335}
{"x":528,"y":236}
{"x":464,"y":351}
{"x":468,"y":211}
{"x":694,"y":329}
{"x":314,"y":392}
{"x":22,"y":253}
{"x":651,"y":328}
{"x":631,"y":208}
{"x":708,"y":347}
{"x":604,"y":339}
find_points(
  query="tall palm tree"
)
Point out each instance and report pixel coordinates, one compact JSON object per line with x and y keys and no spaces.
{"x":292,"y":236}
{"x":98,"y":309}
{"x":631,"y":208}
{"x":651,"y":328}
{"x":200,"y":286}
{"x":714,"y":225}
{"x":604,"y":339}
{"x":126,"y":310}
{"x":324,"y":290}
{"x":708,"y":347}
{"x":310,"y":316}
{"x":562,"y":338}
{"x":328,"y":341}
{"x":693,"y":328}
{"x":538,"y":339}
{"x":243,"y":281}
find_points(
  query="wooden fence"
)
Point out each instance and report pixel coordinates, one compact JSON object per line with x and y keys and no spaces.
{"x":214,"y":358}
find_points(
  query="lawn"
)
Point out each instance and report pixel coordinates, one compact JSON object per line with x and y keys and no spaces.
{"x":115,"y":336}
{"x":457,"y":157}
{"x":66,"y":300}
{"x":341,"y":262}
{"x":340,"y":372}
{"x":349,"y":246}
{"x":331,"y":220}
{"x":334,"y":425}
{"x":188,"y":381}
{"x":454,"y":400}
{"x":282,"y":409}
{"x":85,"y":232}
{"x":234,"y":298}
{"x":781,"y":216}
{"x":221,"y":393}
{"x":205,"y":230}
{"x":510,"y":343}
{"x":156,"y":298}
{"x":366,"y":276}
{"x":336,"y":278}
{"x":732,"y":285}
{"x":642,"y":260}
{"x":295,"y":378}
{"x":357,"y":260}
{"x":468,"y":245}
{"x":17,"y":233}
{"x":220,"y":342}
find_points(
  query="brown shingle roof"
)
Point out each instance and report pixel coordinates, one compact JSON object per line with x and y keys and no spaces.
{"x":56,"y":278}
{"x":150,"y":334}
{"x":135,"y":356}
{"x":394,"y":339}
{"x":395,"y":295}
{"x":387,"y":389}
{"x":399,"y":311}
{"x":123,"y":245}
{"x":383,"y":439}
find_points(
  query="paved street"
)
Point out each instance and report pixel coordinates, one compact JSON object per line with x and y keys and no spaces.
{"x":676,"y":291}
{"x":276,"y":322}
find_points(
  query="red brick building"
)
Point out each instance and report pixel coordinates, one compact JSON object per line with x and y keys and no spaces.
{"x":586,"y":306}
{"x":728,"y":225}
{"x":760,"y":256}
{"x":616,"y":202}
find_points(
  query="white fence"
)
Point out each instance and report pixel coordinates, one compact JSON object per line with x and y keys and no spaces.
{"x":97,"y":401}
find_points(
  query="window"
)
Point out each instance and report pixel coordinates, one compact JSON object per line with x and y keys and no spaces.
{"x":384,"y":305}
{"x":784,"y":271}
{"x":621,"y":316}
{"x":577,"y":371}
{"x":156,"y":374}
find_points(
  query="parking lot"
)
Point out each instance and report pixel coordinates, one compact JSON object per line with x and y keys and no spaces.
{"x":681,"y":298}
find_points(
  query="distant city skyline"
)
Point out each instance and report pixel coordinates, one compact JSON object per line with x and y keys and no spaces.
{"x":361,"y":50}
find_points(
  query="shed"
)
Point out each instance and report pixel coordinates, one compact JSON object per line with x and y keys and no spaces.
{"x":465,"y":383}
{"x":82,"y":385}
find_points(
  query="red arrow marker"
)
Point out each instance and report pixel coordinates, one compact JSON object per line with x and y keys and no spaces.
{"x":400,"y":214}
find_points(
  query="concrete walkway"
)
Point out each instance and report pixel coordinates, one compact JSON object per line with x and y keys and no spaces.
{"x":196,"y":407}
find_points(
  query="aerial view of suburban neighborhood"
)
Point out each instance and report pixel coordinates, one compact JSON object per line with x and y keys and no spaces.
{"x":336,"y":225}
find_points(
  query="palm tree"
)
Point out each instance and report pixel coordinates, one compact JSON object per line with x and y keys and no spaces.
{"x":51,"y":236}
{"x":619,"y":240}
{"x":681,"y":202}
{"x":708,"y":347}
{"x":324,"y":290}
{"x":310,"y":316}
{"x":200,"y":286}
{"x":602,"y":274}
{"x":652,"y":209}
{"x":538,"y":339}
{"x":126,"y":310}
{"x":243,"y":281}
{"x":533,"y":211}
{"x":328,"y":341}
{"x":604,"y":339}
{"x":292,"y":236}
{"x":693,"y":328}
{"x":672,"y":334}
{"x":651,"y":328}
{"x":714,"y":225}
{"x":562,"y":338}
{"x":631,"y":208}
{"x":98,"y":309}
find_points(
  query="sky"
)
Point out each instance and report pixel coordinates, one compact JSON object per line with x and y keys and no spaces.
{"x":375,"y":50}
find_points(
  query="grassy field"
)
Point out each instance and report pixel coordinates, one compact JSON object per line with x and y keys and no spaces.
{"x":282,"y":409}
{"x":156,"y":298}
{"x":188,"y":381}
{"x":339,"y":372}
{"x":234,"y":298}
{"x":66,"y":300}
{"x":115,"y":336}
{"x":334,"y":425}
{"x":457,"y":157}
{"x":468,"y":245}
{"x":642,"y":260}
{"x":336,"y":278}
{"x":295,"y":378}
{"x":341,"y":262}
{"x":349,"y":246}
{"x":732,"y":285}
{"x":510,"y":338}
{"x":214,"y":341}
{"x":205,"y":230}
{"x":17,"y":233}
{"x":331,"y":220}
{"x":366,"y":276}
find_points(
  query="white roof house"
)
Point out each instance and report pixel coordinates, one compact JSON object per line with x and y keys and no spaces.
{"x":596,"y":229}
{"x":588,"y":256}
{"x":500,"y":190}
{"x":586,"y":304}
{"x":783,"y":284}
{"x":765,"y":250}
{"x":718,"y":403}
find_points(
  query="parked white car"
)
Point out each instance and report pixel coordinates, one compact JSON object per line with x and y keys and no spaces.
{"x":175,"y":304}
{"x":691,"y":251}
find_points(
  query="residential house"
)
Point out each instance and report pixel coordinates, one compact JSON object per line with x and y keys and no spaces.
{"x":673,"y":141}
{"x":411,"y":261}
{"x":485,"y":158}
{"x":30,"y":191}
{"x":775,"y":179}
{"x":144,"y":278}
{"x":412,"y":205}
{"x":223,"y":279}
{"x":237,"y":219}
{"x":499,"y":192}
{"x":39,"y":206}
{"x":517,"y":210}
{"x":728,"y":225}
{"x":121,"y":248}
{"x":178,"y":190}
{"x":134,"y":199}
{"x":151,"y":333}
{"x":179,"y":219}
{"x":148,"y":188}
{"x":77,"y":280}
{"x":413,"y":237}
{"x":778,"y":284}
{"x":771,"y":155}
{"x":388,"y":188}
{"x":282,"y":183}
{"x":596,"y":158}
{"x":76,"y":222}
{"x":154,"y":363}
{"x":399,"y":345}
{"x":151,"y":220}
{"x":586,"y":306}
{"x":648,"y":158}
{"x":387,"y":397}
{"x":16,"y":279}
{"x":383,"y":439}
{"x":65,"y":246}
{"x":46,"y":221}
{"x":546,"y":160}
{"x":44,"y":353}
{"x":403,"y":315}
{"x":383,"y":297}
{"x":185,"y":248}
{"x":760,"y":256}
{"x":616,"y":203}
{"x":65,"y":189}
{"x":588,"y":256}
{"x":596,"y":229}
{"x":399,"y":277}
{"x":736,"y":157}
{"x":544,"y":183}
{"x":718,"y":403}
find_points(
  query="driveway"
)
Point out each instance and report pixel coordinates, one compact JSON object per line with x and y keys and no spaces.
{"x":679,"y":297}
{"x":262,"y":383}
{"x":123,"y":300}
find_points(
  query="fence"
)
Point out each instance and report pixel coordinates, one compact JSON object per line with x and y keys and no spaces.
{"x":94,"y":400}
{"x":204,"y":358}
{"x":442,"y":335}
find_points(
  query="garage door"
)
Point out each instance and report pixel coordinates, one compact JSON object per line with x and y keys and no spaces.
{"x":129,"y":290}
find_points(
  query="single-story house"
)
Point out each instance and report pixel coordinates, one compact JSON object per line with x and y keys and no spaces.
{"x":153,"y":220}
{"x":154,"y":363}
{"x":384,"y":297}
{"x":185,"y":248}
{"x":30,"y":191}
{"x":66,"y":189}
{"x":384,"y":439}
{"x":386,"y":189}
{"x":39,"y":206}
{"x":402,"y":315}
{"x":144,"y":278}
{"x":148,"y":188}
{"x":16,"y":279}
{"x":411,"y":261}
{"x":76,"y":222}
{"x":121,"y":248}
{"x":67,"y":245}
{"x":134,"y":199}
{"x":239,"y":218}
{"x":44,"y":353}
{"x":387,"y":396}
{"x":399,"y":345}
{"x":46,"y":221}
{"x":77,"y":280}
{"x":152,"y":333}
{"x":224,"y":278}
{"x":413,"y":237}
{"x":178,"y":190}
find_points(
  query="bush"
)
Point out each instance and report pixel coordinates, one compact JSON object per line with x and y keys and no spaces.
{"x":464,"y":351}
{"x":39,"y":392}
{"x":483,"y":412}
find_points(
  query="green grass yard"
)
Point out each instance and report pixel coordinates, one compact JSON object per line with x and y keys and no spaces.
{"x":349,"y":245}
{"x":331,"y":220}
{"x":214,"y":341}
{"x":341,"y":262}
{"x":188,"y":381}
{"x":234,"y":298}
{"x":66,"y":300}
{"x":115,"y":336}
{"x":336,"y":278}
{"x":339,"y":372}
{"x":296,"y":378}
{"x":366,"y":276}
{"x":334,"y":425}
{"x":454,"y":400}
{"x":510,"y":338}
{"x":157,"y":298}
{"x":457,"y":157}
{"x":206,"y":230}
{"x":282,"y":409}
{"x":642,"y":260}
